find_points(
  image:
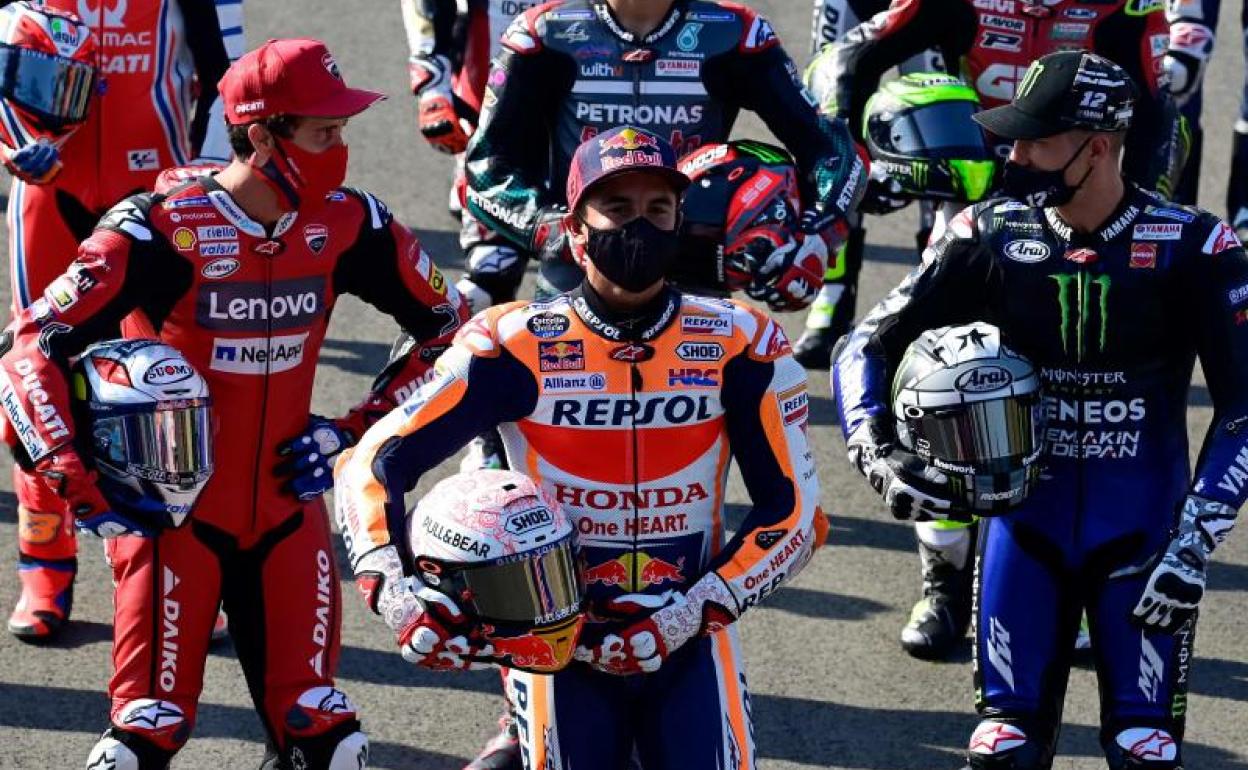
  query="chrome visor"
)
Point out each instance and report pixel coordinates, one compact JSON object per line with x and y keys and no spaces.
{"x":56,"y":89}
{"x":171,"y":445}
{"x":978,"y":434}
{"x":535,"y":588}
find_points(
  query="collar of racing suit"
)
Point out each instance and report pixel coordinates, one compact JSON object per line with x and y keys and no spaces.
{"x":1128,"y":209}
{"x":608,"y":18}
{"x":640,"y":324}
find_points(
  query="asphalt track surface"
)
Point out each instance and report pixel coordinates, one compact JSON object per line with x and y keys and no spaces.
{"x":830,"y":686}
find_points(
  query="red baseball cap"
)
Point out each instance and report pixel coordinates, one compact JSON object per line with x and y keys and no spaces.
{"x":289,"y":77}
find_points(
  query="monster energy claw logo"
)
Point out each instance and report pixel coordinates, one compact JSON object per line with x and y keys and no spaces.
{"x":1029,"y":79}
{"x":1075,"y":301}
{"x":918,"y":172}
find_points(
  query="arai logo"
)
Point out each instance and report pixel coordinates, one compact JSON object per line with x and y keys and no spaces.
{"x":982,"y":379}
{"x":167,"y":371}
{"x":1027,"y":251}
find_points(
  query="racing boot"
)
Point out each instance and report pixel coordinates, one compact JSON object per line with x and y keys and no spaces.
{"x":502,"y":752}
{"x":939,"y":621}
{"x":47,"y":597}
{"x":832,"y":312}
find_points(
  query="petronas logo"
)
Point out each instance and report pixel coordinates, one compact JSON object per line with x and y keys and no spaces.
{"x":1029,"y":79}
{"x":1078,"y":295}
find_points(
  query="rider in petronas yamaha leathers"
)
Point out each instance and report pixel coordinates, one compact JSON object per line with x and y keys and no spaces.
{"x":1122,"y":291}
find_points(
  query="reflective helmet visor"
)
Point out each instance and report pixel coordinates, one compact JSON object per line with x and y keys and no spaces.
{"x":937,"y":131}
{"x":170,"y":445}
{"x":980,"y":434}
{"x":535,"y":588}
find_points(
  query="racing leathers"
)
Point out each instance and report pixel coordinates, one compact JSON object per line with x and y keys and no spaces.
{"x":568,"y":70}
{"x":989,"y":44}
{"x":1113,"y":321}
{"x":159,"y":62}
{"x":666,"y":397}
{"x":248,"y":306}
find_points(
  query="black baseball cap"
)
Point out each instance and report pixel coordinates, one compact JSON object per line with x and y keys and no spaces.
{"x":1063,"y":91}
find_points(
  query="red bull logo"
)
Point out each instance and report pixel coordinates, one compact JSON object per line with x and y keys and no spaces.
{"x":543,"y":650}
{"x":561,"y":356}
{"x":636,"y":571}
{"x":627,"y":139}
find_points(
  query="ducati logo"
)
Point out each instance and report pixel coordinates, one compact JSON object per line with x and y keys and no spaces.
{"x":315,"y":236}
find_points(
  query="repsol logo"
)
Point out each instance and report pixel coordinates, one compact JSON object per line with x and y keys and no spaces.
{"x":656,"y":410}
{"x":256,"y":306}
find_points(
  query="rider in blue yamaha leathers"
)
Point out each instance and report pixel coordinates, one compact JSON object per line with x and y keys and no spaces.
{"x":1124,"y":291}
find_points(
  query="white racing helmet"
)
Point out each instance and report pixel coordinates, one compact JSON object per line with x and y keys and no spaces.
{"x":971,"y":408}
{"x":505,"y":552}
{"x":146,"y":418}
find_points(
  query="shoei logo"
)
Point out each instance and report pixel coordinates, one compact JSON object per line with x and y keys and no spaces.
{"x":983,"y":379}
{"x":700,"y":351}
{"x":167,"y":371}
{"x":1027,"y":251}
{"x":527,"y":521}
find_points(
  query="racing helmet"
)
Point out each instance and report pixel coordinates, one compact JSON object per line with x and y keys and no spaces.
{"x":741,"y":209}
{"x":505,"y":552}
{"x":145,"y":417}
{"x":48,"y":60}
{"x":970,"y":407}
{"x":918,"y":128}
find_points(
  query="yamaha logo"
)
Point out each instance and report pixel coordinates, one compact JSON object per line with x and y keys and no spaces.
{"x":983,"y":379}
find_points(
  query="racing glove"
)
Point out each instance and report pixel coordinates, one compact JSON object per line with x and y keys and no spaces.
{"x":65,"y":475}
{"x":792,"y":275}
{"x":884,"y":194}
{"x":429,"y":627}
{"x":37,"y":163}
{"x":912,"y":489}
{"x":1191,"y":45}
{"x":550,"y":235}
{"x":439,"y":121}
{"x":670,"y":621}
{"x":1177,"y":583}
{"x":309,"y":463}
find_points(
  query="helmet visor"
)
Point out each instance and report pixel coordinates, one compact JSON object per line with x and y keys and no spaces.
{"x":53,"y":88}
{"x":981,"y":434}
{"x":169,"y":445}
{"x":535,"y":588}
{"x":937,"y":131}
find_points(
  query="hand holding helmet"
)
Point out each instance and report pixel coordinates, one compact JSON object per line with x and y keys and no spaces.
{"x":1177,"y":583}
{"x":37,"y":163}
{"x":439,"y":119}
{"x":792,"y":273}
{"x":912,"y":490}
{"x":884,"y":194}
{"x":146,"y":416}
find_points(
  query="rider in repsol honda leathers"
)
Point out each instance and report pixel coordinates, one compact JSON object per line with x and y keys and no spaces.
{"x":667,"y":389}
{"x":240,"y":272}
{"x":680,"y":68}
{"x":1122,"y":291}
{"x":157,"y":106}
{"x":990,"y":43}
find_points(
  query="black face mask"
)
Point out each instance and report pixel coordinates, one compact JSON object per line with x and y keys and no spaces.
{"x":635,"y":255}
{"x":1039,"y":188}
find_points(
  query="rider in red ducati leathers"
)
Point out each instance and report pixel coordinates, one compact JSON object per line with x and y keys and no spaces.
{"x":239,"y":271}
{"x":156,"y":106}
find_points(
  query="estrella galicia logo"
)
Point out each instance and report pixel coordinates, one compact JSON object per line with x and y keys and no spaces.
{"x":548,"y":325}
{"x":1083,"y":302}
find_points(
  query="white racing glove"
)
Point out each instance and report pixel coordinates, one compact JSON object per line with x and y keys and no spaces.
{"x":1177,"y":583}
{"x":912,"y":489}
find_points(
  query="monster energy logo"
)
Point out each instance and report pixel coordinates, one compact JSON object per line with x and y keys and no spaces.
{"x":1075,"y":300}
{"x":1029,"y":79}
{"x":918,"y":173}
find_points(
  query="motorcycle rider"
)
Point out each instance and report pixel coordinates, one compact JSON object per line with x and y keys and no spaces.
{"x":240,"y":272}
{"x":680,"y":68}
{"x":665,"y":385}
{"x":992,"y":48}
{"x":1125,"y":291}
{"x":148,"y":114}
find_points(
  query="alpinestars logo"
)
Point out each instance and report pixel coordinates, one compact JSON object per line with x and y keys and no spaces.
{"x":999,"y":654}
{"x":1078,"y":296}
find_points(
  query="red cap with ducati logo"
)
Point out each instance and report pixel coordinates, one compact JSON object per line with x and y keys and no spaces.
{"x":290,"y":77}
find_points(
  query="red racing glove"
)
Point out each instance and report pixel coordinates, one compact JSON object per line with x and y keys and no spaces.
{"x":674,"y":618}
{"x":791,"y":277}
{"x":439,"y":121}
{"x":67,"y":476}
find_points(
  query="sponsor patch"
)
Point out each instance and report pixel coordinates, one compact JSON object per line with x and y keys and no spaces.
{"x":168,"y":371}
{"x":257,"y":306}
{"x":1081,"y":256}
{"x":1027,"y":250}
{"x":632,"y":352}
{"x":1157,"y":232}
{"x":193,"y":201}
{"x":1143,"y":256}
{"x":689,"y":377}
{"x":1221,"y":239}
{"x":1178,"y":215}
{"x":678,"y":68}
{"x":700,"y":351}
{"x":548,"y":325}
{"x":563,"y":356}
{"x":1238,"y":294}
{"x":219,"y":249}
{"x":717,"y":325}
{"x":588,"y":382}
{"x":217,"y":233}
{"x":220,"y":268}
{"x":183,"y":239}
{"x":315,"y":236}
{"x":146,"y":159}
{"x":258,"y":355}
{"x":62,"y":293}
{"x":794,"y":404}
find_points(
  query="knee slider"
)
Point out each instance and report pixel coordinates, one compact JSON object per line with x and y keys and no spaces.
{"x":323,"y":733}
{"x":997,"y":745}
{"x":1146,"y":748}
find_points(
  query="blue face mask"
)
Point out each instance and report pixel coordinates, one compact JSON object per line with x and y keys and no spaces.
{"x":1040,"y":188}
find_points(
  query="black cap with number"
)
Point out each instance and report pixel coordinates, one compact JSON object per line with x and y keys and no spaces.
{"x":1063,"y":91}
